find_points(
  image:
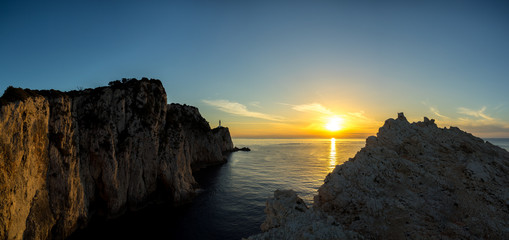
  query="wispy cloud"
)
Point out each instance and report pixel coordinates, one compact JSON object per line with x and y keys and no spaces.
{"x":354,"y":120}
{"x":313,"y":107}
{"x":477,"y":121}
{"x":479,"y":113}
{"x":499,"y":107}
{"x":316,"y":107}
{"x":484,"y":127}
{"x":240,"y":109}
{"x":436,"y":112}
{"x":255,"y":104}
{"x":359,"y":115}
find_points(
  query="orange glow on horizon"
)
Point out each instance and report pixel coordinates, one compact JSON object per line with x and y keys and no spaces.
{"x":308,"y":125}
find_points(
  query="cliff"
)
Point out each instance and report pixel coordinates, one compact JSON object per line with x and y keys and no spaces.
{"x":66,"y":156}
{"x":411,"y":181}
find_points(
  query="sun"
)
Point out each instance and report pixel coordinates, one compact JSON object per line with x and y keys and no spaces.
{"x":334,"y":124}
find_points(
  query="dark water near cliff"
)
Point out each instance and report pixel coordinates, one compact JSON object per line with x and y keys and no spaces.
{"x":233,"y":195}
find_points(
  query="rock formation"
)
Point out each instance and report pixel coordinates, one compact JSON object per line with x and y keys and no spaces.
{"x":288,"y":217}
{"x":411,"y":181}
{"x":243,"y":149}
{"x":66,"y":156}
{"x":222,"y":135}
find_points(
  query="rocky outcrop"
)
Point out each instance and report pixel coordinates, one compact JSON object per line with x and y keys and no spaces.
{"x":23,"y":166}
{"x":288,"y":217}
{"x":415,"y":181}
{"x":222,"y":135}
{"x":285,"y":205}
{"x":243,"y":149}
{"x":66,"y":156}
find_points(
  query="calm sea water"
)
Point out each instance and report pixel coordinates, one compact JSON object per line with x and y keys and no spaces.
{"x":501,"y":142}
{"x":232,"y":200}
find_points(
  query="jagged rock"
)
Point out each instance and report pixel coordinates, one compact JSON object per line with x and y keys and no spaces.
{"x":288,"y":218}
{"x":418,"y":181}
{"x":285,"y":204}
{"x":244,"y":149}
{"x":222,"y":135}
{"x":65,"y":156}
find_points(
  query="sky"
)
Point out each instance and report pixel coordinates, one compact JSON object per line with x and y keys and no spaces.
{"x":282,"y":69}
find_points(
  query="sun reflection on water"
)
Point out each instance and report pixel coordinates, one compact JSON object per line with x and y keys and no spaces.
{"x":332,"y":155}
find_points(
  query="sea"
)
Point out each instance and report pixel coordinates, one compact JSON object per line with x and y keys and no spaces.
{"x":231,"y":200}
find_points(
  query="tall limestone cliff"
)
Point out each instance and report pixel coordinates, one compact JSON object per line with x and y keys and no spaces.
{"x":66,"y":156}
{"x":411,"y":181}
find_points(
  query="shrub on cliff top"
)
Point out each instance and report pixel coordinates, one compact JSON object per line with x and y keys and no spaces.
{"x":13,"y":94}
{"x":128,"y":81}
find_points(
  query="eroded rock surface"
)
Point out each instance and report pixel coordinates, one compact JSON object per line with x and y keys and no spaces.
{"x":285,"y":204}
{"x":288,"y":218}
{"x":415,"y":181}
{"x":66,"y":156}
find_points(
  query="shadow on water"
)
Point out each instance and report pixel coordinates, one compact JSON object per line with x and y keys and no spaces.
{"x":199,"y":219}
{"x":231,"y":201}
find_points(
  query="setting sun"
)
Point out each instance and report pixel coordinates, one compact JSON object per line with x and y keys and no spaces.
{"x":334,"y":124}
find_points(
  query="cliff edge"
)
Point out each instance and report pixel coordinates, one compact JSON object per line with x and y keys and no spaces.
{"x":66,"y":156}
{"x":411,"y":181}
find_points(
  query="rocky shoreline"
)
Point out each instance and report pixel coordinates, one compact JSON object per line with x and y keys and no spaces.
{"x":69,"y":156}
{"x":411,"y":181}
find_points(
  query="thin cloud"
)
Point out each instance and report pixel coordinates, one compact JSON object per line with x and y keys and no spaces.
{"x":239,"y":109}
{"x":479,"y":114}
{"x":317,"y":107}
{"x":436,"y":112}
{"x":255,"y":104}
{"x":499,"y":108}
{"x":313,"y":107}
{"x":478,"y":121}
{"x":493,"y":128}
{"x":433,"y":110}
{"x":354,"y":120}
{"x":359,"y":114}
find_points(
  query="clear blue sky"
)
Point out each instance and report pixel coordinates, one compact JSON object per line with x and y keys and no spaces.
{"x":273,"y":67}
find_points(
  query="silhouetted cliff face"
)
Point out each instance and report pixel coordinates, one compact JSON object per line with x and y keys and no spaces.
{"x":411,"y":181}
{"x":222,"y":135}
{"x":67,"y":156}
